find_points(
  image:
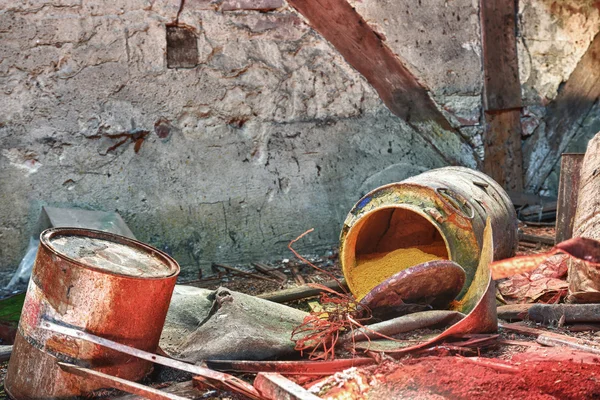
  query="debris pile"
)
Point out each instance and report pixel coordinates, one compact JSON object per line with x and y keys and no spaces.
{"x":416,"y":317}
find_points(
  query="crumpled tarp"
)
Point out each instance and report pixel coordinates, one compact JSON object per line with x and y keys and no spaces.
{"x":222,"y":324}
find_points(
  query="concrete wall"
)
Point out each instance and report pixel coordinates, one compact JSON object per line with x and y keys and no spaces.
{"x":552,"y":37}
{"x":272,"y":133}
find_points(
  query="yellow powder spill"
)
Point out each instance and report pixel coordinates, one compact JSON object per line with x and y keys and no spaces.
{"x":373,"y":269}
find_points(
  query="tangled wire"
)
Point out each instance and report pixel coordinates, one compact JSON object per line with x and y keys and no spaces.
{"x":320,"y":331}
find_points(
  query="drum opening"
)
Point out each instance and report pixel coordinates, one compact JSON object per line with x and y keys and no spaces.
{"x":388,"y":241}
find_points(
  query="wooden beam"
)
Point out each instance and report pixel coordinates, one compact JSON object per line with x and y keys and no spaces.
{"x":340,"y":24}
{"x":568,"y":190}
{"x":502,"y":88}
{"x":563,"y":117}
{"x":503,"y":159}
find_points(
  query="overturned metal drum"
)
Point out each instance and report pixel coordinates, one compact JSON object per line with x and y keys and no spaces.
{"x":102,"y":283}
{"x":442,"y":212}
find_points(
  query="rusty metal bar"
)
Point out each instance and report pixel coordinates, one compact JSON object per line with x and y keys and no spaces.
{"x":277,"y":387}
{"x":568,"y":192}
{"x":118,"y":383}
{"x":290,"y":367}
{"x":217,"y":379}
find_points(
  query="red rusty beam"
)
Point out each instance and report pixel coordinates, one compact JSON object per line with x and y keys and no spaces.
{"x":216,"y":379}
{"x":118,"y":383}
{"x":276,"y":387}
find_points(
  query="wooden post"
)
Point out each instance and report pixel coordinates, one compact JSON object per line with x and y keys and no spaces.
{"x":584,"y":276}
{"x":568,"y":189}
{"x":503,"y":159}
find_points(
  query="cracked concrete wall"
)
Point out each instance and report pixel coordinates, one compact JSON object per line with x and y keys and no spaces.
{"x":552,"y":37}
{"x":272,"y":133}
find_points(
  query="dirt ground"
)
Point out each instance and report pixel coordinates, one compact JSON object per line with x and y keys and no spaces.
{"x":434,"y":377}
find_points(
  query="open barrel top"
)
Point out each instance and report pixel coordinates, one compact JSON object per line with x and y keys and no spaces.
{"x":118,"y":256}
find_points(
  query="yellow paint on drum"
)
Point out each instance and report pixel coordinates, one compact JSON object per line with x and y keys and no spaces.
{"x":373,"y":269}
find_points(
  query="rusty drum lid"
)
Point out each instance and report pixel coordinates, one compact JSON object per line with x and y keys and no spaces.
{"x":107,"y":252}
{"x":433,"y":283}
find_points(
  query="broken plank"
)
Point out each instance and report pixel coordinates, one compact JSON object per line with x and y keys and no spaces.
{"x":503,"y":159}
{"x":277,"y":387}
{"x":568,"y":190}
{"x":242,"y":272}
{"x":520,"y":199}
{"x":300,"y":292}
{"x":119,"y":383}
{"x":547,"y":240}
{"x":273,"y":272}
{"x":297,"y":277}
{"x":339,"y":23}
{"x":563,"y":117}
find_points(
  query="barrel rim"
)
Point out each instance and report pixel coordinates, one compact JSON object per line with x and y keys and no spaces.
{"x":170,"y":262}
{"x":346,"y":269}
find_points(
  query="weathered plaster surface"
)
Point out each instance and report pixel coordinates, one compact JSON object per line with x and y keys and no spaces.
{"x":554,"y":34}
{"x":271,"y":134}
{"x":440,"y":42}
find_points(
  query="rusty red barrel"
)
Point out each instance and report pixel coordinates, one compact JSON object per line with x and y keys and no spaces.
{"x":105,"y":284}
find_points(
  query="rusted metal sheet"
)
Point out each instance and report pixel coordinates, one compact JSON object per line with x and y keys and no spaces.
{"x":212,"y":378}
{"x":583,"y":249}
{"x":118,"y":383}
{"x":103,"y":283}
{"x":568,"y":191}
{"x":447,"y":206}
{"x":276,"y":387}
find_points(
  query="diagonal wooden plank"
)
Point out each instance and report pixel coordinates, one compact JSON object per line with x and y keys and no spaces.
{"x":563,"y":117}
{"x":401,"y":92}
